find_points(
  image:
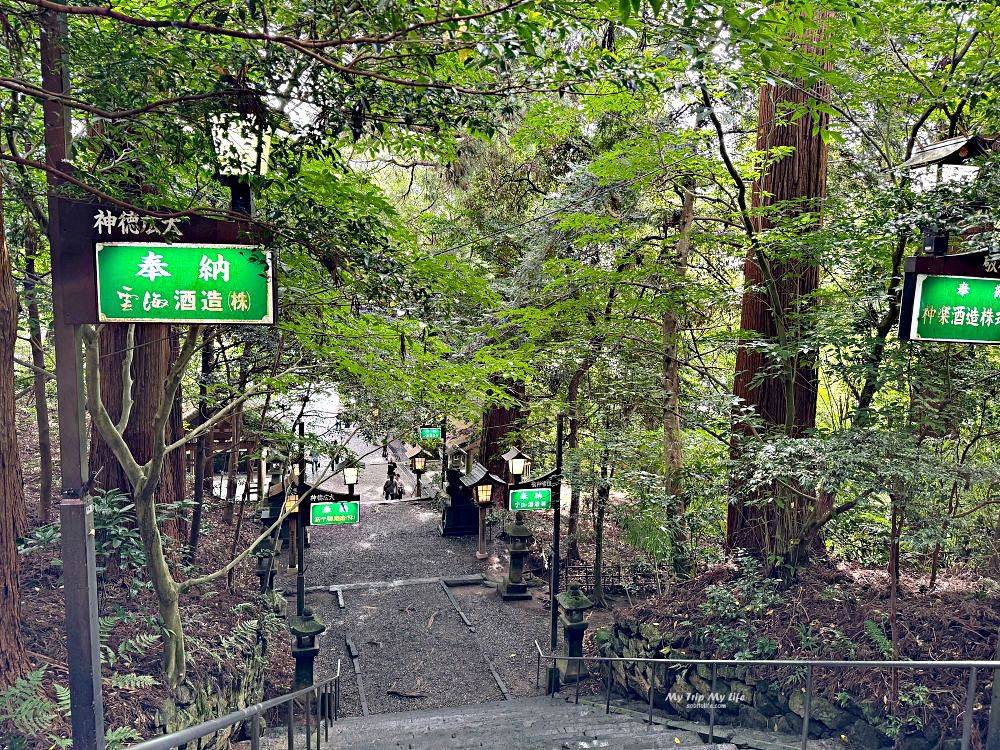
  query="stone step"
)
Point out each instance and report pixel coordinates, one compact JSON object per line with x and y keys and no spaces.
{"x":538,"y":729}
{"x":527,"y":723}
{"x":753,"y":739}
{"x":519,"y":707}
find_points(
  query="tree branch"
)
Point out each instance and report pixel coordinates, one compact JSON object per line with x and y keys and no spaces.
{"x":45,"y":373}
{"x":99,"y":414}
{"x":219,"y":415}
{"x":191,"y":583}
{"x":127,"y":358}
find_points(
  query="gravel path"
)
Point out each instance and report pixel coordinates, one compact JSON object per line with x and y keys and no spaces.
{"x":415,"y":651}
{"x":393,"y":541}
{"x":507,"y":632}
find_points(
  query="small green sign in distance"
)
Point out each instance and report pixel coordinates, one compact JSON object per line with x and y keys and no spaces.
{"x":430,"y":433}
{"x":539,"y":498}
{"x":159,"y":282}
{"x":956,"y":308}
{"x":335,"y":513}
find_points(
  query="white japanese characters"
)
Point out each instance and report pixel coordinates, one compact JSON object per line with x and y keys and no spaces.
{"x":211,"y":270}
{"x":152,"y":267}
{"x":962,"y":315}
{"x":130,"y":223}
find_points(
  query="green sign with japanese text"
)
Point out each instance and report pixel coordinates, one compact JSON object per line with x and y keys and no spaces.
{"x":184,"y":283}
{"x":430,"y":433}
{"x":956,"y":308}
{"x":539,"y":498}
{"x":335,"y":513}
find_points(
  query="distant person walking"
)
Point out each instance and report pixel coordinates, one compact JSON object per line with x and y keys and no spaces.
{"x":392,"y":489}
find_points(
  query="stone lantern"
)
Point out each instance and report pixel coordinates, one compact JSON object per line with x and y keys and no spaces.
{"x":306,"y":630}
{"x":512,"y":586}
{"x":267,"y":565}
{"x":572,"y":604}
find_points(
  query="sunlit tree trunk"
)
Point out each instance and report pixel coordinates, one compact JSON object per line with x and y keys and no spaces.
{"x":39,"y":378}
{"x":13,"y":660}
{"x":673,"y":446}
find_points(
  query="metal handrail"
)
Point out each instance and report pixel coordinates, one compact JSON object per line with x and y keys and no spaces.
{"x":809,"y":664}
{"x":325,"y":694}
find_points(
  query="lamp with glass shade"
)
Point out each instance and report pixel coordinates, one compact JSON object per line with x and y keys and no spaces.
{"x":243,"y":147}
{"x":484,"y":499}
{"x":418,"y":463}
{"x":517,"y":463}
{"x":946,"y":163}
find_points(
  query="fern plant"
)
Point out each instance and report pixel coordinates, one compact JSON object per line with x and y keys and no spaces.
{"x":132,"y":681}
{"x":62,"y":698}
{"x":25,"y":707}
{"x":874,"y":632}
{"x":121,"y":737}
{"x":137,"y":645}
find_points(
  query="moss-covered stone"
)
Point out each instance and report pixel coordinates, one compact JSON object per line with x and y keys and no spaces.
{"x":863,"y":735}
{"x":820,"y":710}
{"x":751,"y":718}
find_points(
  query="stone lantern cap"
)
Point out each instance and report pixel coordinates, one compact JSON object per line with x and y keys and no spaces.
{"x":574,"y":600}
{"x":306,"y":626}
{"x":517,"y":530}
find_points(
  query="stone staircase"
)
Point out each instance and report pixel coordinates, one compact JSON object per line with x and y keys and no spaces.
{"x":521,"y":724}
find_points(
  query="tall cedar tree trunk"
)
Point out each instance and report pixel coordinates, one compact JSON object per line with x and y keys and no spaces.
{"x":673,"y":448}
{"x":794,"y":185}
{"x":13,"y":660}
{"x":573,"y":442}
{"x":31,"y":280}
{"x":498,"y":422}
{"x":603,"y":495}
{"x":150,"y":363}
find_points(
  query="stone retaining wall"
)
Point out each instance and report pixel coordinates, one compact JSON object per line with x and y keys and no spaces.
{"x":238,"y":683}
{"x":741,"y":697}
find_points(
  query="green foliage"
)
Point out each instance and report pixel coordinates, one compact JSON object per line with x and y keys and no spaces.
{"x":243,"y":637}
{"x":24,"y":705}
{"x":136,"y":646}
{"x":116,"y":537}
{"x":878,"y":637}
{"x":132,"y":681}
{"x":827,"y":641}
{"x":121,"y":737}
{"x":116,"y":533}
{"x":62,"y":698}
{"x":738,"y":607}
